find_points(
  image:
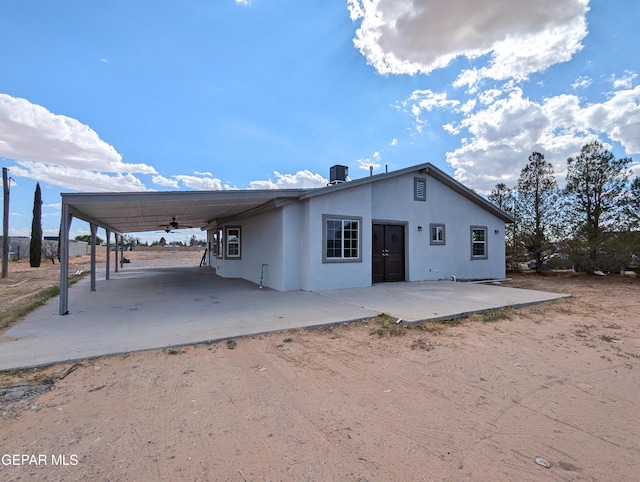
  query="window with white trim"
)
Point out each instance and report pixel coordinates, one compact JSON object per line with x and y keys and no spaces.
{"x":341,"y":239}
{"x":219,"y":243}
{"x":436,"y":234}
{"x":478,"y":242}
{"x":233,"y":243}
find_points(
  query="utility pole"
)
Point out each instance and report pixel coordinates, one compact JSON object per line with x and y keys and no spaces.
{"x":5,"y":223}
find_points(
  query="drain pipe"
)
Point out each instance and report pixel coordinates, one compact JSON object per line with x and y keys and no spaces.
{"x":262,"y":274}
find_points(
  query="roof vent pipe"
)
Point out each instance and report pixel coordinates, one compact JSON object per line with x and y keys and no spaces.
{"x":370,"y":170}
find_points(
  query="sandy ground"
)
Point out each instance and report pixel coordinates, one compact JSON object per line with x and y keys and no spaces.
{"x":474,"y":401}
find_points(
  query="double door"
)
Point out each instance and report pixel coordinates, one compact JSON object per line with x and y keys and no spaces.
{"x":388,"y":253}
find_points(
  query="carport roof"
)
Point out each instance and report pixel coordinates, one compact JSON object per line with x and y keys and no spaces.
{"x":131,"y":212}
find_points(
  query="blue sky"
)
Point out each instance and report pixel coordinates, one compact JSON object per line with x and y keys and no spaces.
{"x":201,"y":94}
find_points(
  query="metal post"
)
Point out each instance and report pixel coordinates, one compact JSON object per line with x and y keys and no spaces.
{"x":116,"y":246}
{"x":5,"y":223}
{"x":108,"y":253}
{"x":93,"y":228}
{"x":65,"y":225}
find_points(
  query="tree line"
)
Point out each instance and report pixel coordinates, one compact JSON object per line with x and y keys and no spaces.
{"x":592,"y":224}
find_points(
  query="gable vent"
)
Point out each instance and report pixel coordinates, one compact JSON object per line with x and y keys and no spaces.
{"x":419,"y":189}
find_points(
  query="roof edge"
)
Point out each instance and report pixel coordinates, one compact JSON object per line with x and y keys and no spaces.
{"x":426,"y":168}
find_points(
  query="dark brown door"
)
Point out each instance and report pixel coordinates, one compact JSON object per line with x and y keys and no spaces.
{"x":388,"y":253}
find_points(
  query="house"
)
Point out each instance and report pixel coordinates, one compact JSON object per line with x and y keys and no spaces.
{"x":413,"y":224}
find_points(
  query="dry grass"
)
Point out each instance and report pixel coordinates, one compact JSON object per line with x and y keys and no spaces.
{"x":26,"y":305}
{"x":492,"y":316}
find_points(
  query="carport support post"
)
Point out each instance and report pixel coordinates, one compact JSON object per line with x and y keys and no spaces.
{"x":115,"y":244}
{"x":121,"y":251}
{"x":108,"y":236}
{"x":65,"y":224}
{"x":94,"y":229}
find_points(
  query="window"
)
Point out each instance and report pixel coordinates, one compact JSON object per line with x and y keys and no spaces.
{"x":437,"y":234}
{"x":341,"y":239}
{"x":233,"y":243}
{"x":219,"y":243}
{"x":419,"y":189}
{"x":478,"y":242}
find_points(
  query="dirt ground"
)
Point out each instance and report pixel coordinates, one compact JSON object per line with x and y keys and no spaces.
{"x":478,"y":400}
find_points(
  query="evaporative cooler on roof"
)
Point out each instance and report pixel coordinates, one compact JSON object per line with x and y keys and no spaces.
{"x":338,"y":174}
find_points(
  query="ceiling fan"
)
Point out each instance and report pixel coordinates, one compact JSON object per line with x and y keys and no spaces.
{"x":173,"y":225}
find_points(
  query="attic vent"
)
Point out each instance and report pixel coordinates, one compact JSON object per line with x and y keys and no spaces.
{"x":419,"y":189}
{"x":338,"y":174}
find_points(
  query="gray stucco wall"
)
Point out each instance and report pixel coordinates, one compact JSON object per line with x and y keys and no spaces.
{"x":261,"y":243}
{"x":289,"y":239}
{"x":393,"y":201}
{"x":19,"y":247}
{"x":354,"y":202}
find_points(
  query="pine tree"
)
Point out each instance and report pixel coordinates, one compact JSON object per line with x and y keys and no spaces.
{"x":596,"y":192}
{"x":35,"y":247}
{"x":537,"y":194}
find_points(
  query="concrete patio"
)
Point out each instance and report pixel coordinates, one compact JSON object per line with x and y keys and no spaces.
{"x":144,"y":308}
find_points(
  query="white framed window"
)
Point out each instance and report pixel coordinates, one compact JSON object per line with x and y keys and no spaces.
{"x":219,"y":243}
{"x":419,"y":189}
{"x":341,"y":239}
{"x":436,"y":234}
{"x":479,"y":242}
{"x":232,"y":242}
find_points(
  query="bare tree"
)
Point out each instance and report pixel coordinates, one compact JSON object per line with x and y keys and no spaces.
{"x":50,"y":251}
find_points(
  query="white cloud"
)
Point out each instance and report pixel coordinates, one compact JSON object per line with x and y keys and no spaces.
{"x":515,"y":38}
{"x":301,"y":179}
{"x":394,"y":142}
{"x":582,"y":82}
{"x":63,"y":148}
{"x":618,"y":117}
{"x":625,"y":81}
{"x":206,"y":183}
{"x":426,"y":100}
{"x":77,"y":179}
{"x":487,"y":97}
{"x":374,"y":161}
{"x":502,"y":135}
{"x":163,"y":181}
{"x":468,"y":106}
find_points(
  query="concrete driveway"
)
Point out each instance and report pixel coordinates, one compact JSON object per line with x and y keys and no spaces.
{"x":144,"y":308}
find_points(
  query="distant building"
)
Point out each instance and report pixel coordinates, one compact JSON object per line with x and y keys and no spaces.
{"x":19,"y":246}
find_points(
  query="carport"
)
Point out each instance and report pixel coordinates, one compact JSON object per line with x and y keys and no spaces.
{"x":154,"y":305}
{"x":122,"y":213}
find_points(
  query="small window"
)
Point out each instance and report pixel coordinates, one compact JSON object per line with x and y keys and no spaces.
{"x":437,"y":234}
{"x":478,"y":242}
{"x":341,"y":239}
{"x":419,"y":189}
{"x":233,"y":243}
{"x":219,"y":243}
